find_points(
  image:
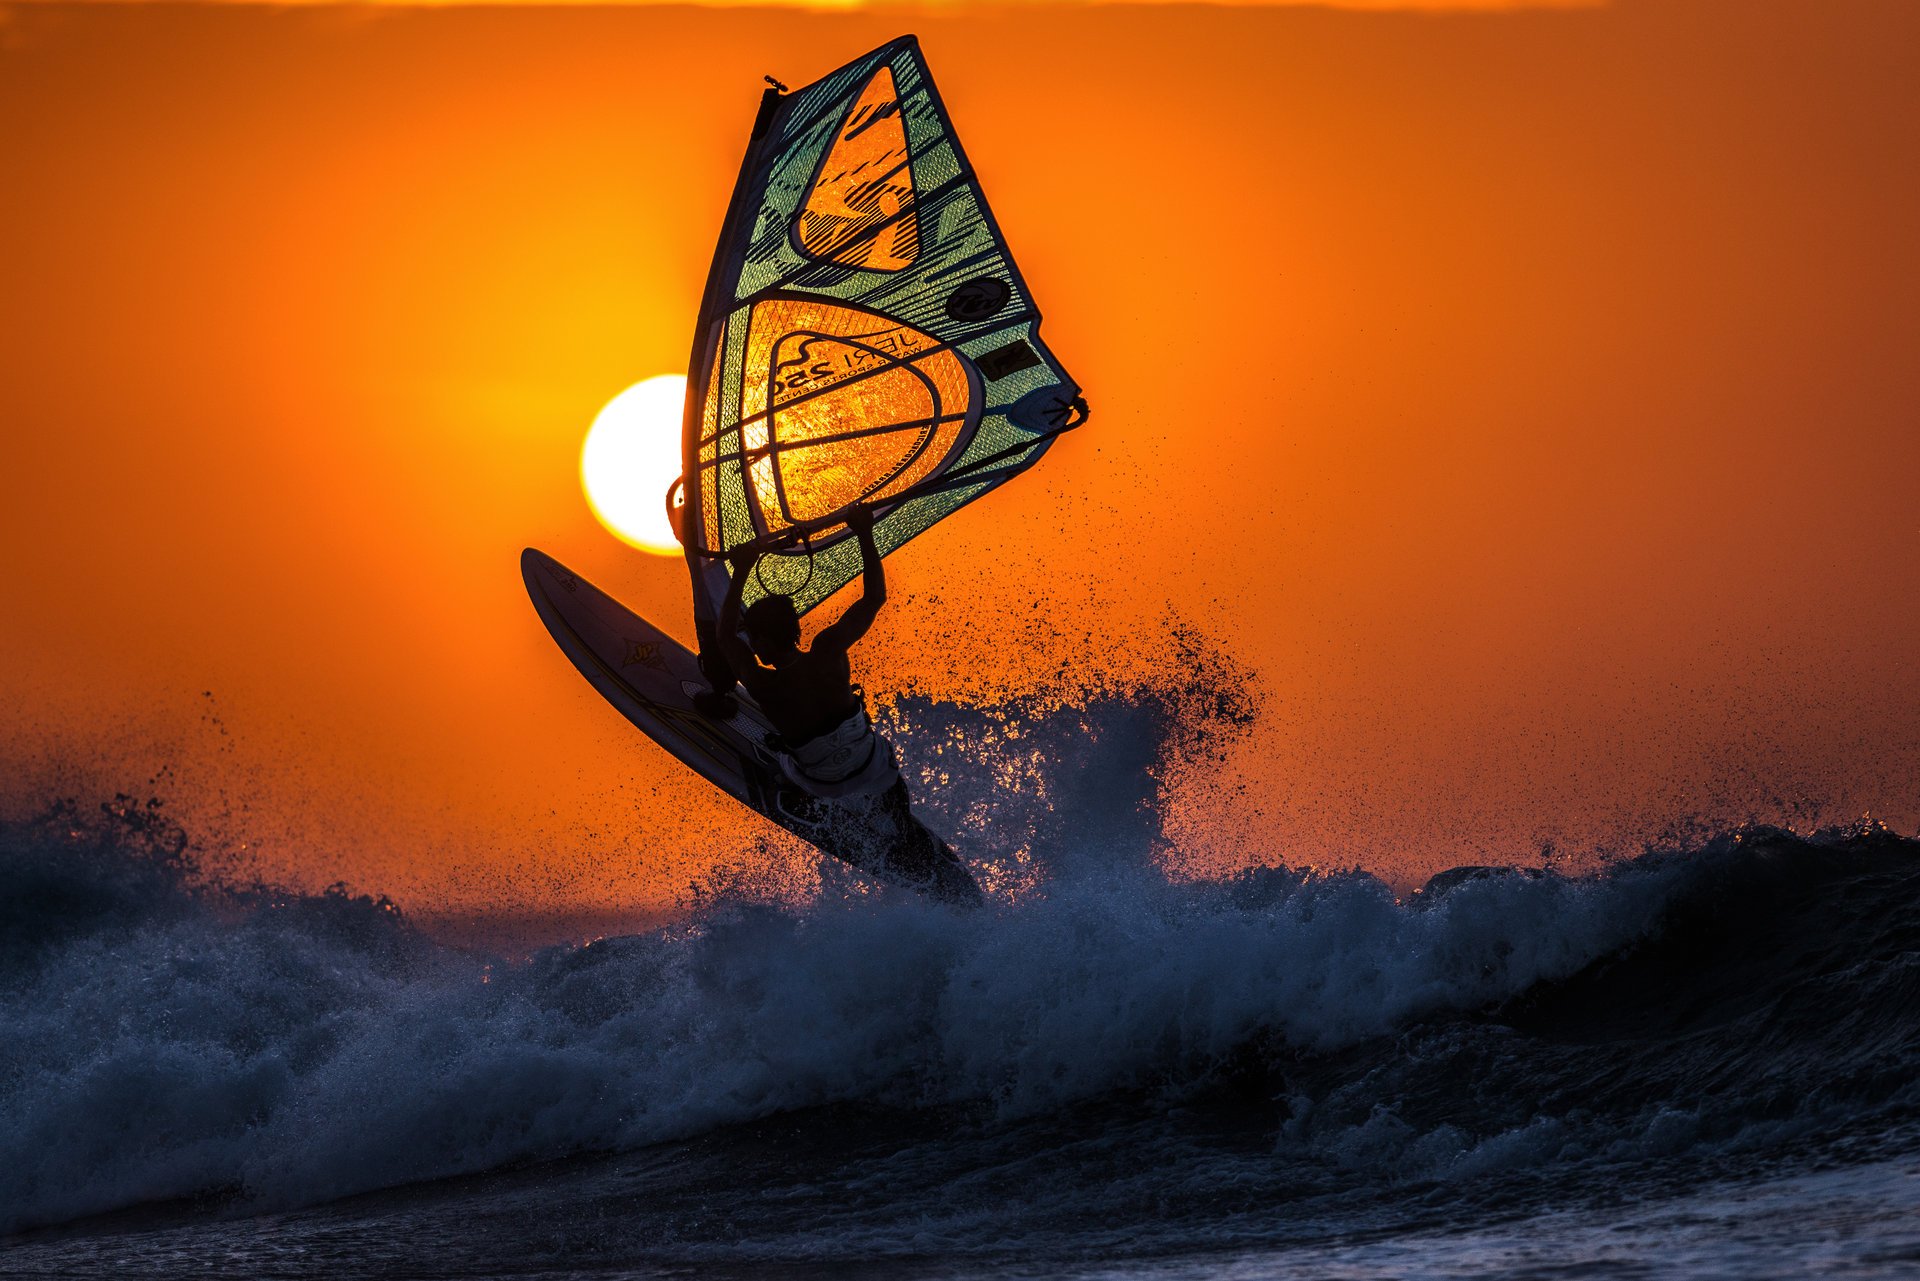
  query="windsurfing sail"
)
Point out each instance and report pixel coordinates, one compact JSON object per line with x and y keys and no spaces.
{"x":865,"y":340}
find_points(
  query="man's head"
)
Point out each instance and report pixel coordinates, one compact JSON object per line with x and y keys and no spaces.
{"x":773,"y":627}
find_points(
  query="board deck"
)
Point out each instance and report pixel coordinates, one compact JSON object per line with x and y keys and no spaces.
{"x":652,"y":680}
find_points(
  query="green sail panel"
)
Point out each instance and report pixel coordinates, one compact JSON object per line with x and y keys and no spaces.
{"x":865,"y":340}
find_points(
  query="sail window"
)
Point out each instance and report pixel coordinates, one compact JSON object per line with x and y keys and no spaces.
{"x":860,"y":211}
{"x":841,"y":405}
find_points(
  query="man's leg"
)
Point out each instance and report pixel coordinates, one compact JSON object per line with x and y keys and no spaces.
{"x":716,"y":703}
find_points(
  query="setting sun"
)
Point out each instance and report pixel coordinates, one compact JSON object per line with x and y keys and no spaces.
{"x":631,"y":456}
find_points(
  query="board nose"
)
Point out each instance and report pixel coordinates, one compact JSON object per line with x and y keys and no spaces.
{"x":538,"y":568}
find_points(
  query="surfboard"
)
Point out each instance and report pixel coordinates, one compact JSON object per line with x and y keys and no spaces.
{"x":652,"y":680}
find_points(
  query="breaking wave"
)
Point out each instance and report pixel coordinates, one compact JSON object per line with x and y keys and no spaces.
{"x":164,"y":1036}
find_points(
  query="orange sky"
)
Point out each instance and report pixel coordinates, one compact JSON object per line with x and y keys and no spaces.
{"x":1528,"y":398}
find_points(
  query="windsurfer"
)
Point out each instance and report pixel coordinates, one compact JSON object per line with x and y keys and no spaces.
{"x":809,"y":693}
{"x":828,"y":747}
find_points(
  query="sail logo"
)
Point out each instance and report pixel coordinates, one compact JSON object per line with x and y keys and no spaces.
{"x":821,"y":361}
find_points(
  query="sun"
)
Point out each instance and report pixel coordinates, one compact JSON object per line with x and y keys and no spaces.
{"x":631,"y":457}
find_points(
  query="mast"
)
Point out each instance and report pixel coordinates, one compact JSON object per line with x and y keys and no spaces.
{"x":691,"y":520}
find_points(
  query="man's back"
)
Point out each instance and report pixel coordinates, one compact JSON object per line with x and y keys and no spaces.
{"x":808,"y":695}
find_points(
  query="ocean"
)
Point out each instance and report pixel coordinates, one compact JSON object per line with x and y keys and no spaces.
{"x":1701,"y":1061}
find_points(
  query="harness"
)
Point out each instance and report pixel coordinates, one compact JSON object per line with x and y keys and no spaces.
{"x":851,"y":759}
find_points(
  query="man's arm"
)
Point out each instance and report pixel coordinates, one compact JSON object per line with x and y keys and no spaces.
{"x":738,"y":653}
{"x":853,"y":624}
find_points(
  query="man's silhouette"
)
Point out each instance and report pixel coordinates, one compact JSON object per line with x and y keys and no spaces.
{"x":828,"y":746}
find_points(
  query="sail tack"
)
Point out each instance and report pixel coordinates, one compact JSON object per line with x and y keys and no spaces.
{"x":865,"y":339}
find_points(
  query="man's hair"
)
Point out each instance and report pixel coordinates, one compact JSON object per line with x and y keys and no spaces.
{"x":773,"y":618}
